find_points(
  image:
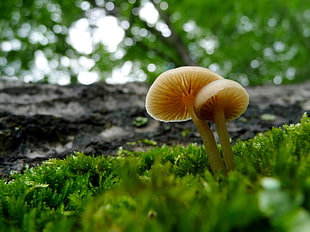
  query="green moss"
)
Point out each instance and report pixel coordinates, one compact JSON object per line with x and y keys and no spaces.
{"x":168,"y":189}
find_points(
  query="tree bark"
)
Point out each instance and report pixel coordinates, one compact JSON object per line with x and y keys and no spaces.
{"x":40,"y":121}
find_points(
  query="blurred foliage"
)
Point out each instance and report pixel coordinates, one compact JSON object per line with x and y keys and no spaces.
{"x":255,"y":42}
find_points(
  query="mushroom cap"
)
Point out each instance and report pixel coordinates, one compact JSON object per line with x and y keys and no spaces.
{"x":174,"y":91}
{"x":226,"y":95}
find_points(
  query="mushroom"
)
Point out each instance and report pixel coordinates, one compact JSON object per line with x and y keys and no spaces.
{"x":171,"y":98}
{"x":220,"y":101}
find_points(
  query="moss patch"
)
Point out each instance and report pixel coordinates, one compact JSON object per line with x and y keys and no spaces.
{"x":168,"y":189}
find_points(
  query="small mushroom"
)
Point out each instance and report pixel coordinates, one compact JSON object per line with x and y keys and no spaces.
{"x":171,"y":98}
{"x":220,"y":101}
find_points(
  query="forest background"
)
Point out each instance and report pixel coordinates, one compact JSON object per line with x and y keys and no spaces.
{"x":63,"y":42}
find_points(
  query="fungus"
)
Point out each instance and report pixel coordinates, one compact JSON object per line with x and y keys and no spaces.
{"x":171,"y":98}
{"x":220,"y":101}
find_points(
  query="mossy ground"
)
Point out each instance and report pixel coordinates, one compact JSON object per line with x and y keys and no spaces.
{"x":168,"y":189}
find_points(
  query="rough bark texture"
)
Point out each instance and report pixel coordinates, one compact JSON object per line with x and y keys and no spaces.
{"x":46,"y":121}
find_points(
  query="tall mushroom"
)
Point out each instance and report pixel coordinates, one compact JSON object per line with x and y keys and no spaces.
{"x":220,"y":101}
{"x":171,"y":98}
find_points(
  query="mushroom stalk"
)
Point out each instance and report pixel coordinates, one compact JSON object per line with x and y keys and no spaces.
{"x":208,"y":139}
{"x":220,"y":123}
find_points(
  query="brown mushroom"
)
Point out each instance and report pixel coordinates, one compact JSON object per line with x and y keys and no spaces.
{"x":220,"y":101}
{"x":171,"y":98}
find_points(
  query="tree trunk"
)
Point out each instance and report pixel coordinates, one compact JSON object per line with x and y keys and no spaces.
{"x":38,"y":122}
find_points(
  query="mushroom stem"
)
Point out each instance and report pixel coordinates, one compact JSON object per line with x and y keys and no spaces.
{"x":220,"y":123}
{"x":208,"y":139}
